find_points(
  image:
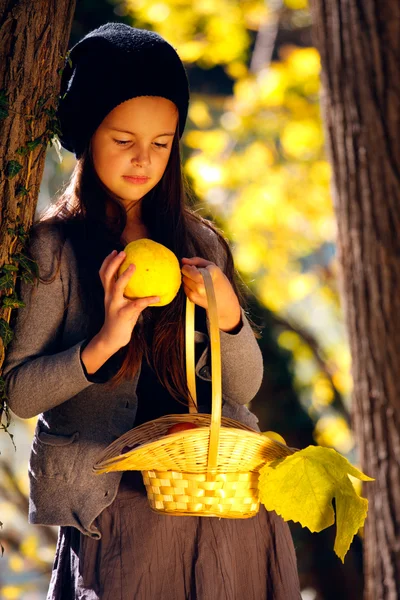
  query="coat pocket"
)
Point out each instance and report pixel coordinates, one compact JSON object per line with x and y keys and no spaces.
{"x":53,"y":455}
{"x":57,"y":440}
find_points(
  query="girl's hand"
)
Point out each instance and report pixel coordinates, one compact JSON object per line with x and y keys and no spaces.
{"x":228,"y":306}
{"x":121,"y":313}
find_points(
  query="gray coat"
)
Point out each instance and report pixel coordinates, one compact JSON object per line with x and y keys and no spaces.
{"x":77,"y":415}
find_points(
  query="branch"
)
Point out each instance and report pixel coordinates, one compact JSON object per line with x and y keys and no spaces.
{"x":326,"y":365}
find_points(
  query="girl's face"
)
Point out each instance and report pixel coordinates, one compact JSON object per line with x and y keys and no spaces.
{"x":135,"y":140}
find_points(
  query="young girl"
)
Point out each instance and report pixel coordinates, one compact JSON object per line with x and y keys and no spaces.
{"x":92,"y":364}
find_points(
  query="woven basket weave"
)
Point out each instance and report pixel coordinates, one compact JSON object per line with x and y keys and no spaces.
{"x":208,"y":471}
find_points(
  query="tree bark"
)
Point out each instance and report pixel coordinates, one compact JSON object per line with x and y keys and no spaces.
{"x":33,"y":41}
{"x":358,"y":41}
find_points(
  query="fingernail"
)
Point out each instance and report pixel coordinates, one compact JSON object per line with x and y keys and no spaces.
{"x":122,"y":253}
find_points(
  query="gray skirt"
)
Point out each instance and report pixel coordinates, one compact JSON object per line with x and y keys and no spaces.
{"x":143,"y":555}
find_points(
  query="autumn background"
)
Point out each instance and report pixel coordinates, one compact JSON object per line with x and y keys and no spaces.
{"x":254,"y":155}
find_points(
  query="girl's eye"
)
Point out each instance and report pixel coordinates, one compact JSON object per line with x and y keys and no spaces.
{"x":123,"y":142}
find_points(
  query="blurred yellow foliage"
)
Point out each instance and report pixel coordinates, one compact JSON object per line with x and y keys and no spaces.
{"x":211,"y":142}
{"x":246,"y":95}
{"x":236,"y":70}
{"x":11,"y":592}
{"x":343,"y":382}
{"x":302,"y":138}
{"x":16,"y":563}
{"x":333,"y":431}
{"x":199,"y":114}
{"x":296,"y":4}
{"x":301,"y":286}
{"x":323,"y":393}
{"x":303,"y":66}
{"x":247,"y":255}
{"x":21,"y":479}
{"x":192,"y":51}
{"x":29,"y":547}
{"x":31,"y":424}
{"x":272,"y":85}
{"x":206,"y":32}
{"x":289,"y":340}
{"x":227,"y":35}
{"x":255,"y":14}
{"x":205,"y":173}
{"x":157,"y":12}
{"x":303,"y":353}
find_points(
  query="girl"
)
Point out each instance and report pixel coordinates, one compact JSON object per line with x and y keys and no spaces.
{"x":92,"y":364}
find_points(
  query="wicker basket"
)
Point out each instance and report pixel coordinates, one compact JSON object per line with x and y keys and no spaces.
{"x":208,"y":471}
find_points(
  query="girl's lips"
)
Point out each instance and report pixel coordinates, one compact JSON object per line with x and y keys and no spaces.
{"x":136,"y":179}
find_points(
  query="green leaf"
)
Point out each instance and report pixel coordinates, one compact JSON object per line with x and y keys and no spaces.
{"x":32,"y":144}
{"x":42,"y":100}
{"x":12,"y":302}
{"x":6,"y":281}
{"x":22,"y":151}
{"x":3,"y":104}
{"x":9,"y":268}
{"x":21,"y":190}
{"x":12,"y":169}
{"x":6,"y":333}
{"x":26,"y":263}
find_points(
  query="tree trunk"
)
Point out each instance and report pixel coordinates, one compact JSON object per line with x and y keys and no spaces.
{"x":33,"y":41}
{"x":358,"y":41}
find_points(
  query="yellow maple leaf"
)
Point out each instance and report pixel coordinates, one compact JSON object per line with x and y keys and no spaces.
{"x":301,"y":488}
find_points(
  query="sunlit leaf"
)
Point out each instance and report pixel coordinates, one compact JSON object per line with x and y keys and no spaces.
{"x":301,"y":488}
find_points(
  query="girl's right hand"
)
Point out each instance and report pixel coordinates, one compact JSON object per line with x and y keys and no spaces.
{"x":121,"y":313}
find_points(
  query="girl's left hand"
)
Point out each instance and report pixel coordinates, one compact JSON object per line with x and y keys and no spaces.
{"x":228,"y":306}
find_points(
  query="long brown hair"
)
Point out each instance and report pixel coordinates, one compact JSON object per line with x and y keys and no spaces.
{"x":82,"y":211}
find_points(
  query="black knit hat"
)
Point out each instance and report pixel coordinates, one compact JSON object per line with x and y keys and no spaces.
{"x":110,"y":65}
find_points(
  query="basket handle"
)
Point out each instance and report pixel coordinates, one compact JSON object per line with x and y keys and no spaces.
{"x":216,"y":379}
